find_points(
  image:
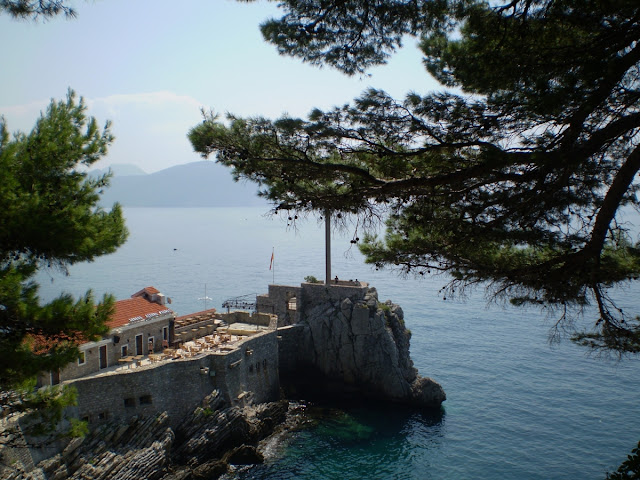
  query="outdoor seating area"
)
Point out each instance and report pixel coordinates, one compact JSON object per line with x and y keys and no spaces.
{"x":215,"y":343}
{"x":133,"y":361}
{"x":196,"y":339}
{"x":190,"y":328}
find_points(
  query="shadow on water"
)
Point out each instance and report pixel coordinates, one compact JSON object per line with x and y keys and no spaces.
{"x":351,"y":442}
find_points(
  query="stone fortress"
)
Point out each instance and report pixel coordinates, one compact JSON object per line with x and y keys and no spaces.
{"x":335,"y":339}
{"x":338,"y":335}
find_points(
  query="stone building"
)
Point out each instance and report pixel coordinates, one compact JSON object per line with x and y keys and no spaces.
{"x":244,"y":370}
{"x":140,"y":325}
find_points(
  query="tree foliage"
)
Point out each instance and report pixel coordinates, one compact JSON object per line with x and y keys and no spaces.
{"x":629,"y":469}
{"x":30,"y":9}
{"x":517,"y":183}
{"x":50,"y":219}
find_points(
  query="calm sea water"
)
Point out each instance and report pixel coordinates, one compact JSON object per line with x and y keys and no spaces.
{"x":517,"y":407}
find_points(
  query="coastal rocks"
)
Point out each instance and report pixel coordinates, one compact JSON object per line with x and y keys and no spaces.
{"x":213,"y":436}
{"x":210,"y":431}
{"x":361,"y":347}
{"x":206,"y":471}
{"x":139,"y":449}
{"x":244,"y":455}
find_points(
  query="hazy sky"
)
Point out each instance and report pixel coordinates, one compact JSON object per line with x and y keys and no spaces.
{"x":150,"y":65}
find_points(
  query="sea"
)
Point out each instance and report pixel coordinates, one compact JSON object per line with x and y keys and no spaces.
{"x":519,"y":406}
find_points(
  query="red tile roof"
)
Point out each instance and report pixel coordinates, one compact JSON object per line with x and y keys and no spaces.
{"x":148,"y":290}
{"x":137,"y":308}
{"x":41,"y":344}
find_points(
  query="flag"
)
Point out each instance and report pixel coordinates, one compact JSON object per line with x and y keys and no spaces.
{"x":271,"y":262}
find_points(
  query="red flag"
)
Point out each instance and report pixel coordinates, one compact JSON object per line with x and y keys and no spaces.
{"x":271,"y":262}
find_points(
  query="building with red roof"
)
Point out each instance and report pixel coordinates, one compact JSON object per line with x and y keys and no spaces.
{"x":139,"y":326}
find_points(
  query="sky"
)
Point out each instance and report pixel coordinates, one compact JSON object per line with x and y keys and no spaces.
{"x":150,"y":66}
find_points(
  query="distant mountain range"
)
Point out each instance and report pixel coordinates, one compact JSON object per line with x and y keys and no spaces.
{"x":197,"y":184}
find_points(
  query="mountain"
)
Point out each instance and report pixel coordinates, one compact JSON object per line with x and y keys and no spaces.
{"x":197,"y":184}
{"x":120,"y":170}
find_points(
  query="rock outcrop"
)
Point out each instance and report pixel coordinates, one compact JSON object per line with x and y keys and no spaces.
{"x":211,"y":437}
{"x":361,"y":346}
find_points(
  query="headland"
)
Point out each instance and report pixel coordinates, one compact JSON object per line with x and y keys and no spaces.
{"x":223,"y":383}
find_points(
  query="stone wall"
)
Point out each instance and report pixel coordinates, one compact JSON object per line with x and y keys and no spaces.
{"x":248,"y":373}
{"x":278,"y":302}
{"x":314,"y":294}
{"x":255,"y":318}
{"x":290,"y":340}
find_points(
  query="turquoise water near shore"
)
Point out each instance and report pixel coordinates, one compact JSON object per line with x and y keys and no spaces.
{"x":517,"y":406}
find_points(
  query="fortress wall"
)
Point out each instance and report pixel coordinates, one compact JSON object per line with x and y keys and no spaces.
{"x":176,"y":386}
{"x":240,"y":316}
{"x":291,"y":346}
{"x":250,"y":373}
{"x":247,"y":373}
{"x":318,"y":293}
{"x":276,"y":302}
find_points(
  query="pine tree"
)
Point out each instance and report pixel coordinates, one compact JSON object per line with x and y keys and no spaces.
{"x":49,"y":218}
{"x":516,"y":184}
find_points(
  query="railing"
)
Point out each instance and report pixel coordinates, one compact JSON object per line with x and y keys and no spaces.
{"x":244,"y":302}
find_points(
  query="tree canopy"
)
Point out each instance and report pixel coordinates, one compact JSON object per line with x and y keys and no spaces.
{"x":517,"y":183}
{"x":50,"y":218}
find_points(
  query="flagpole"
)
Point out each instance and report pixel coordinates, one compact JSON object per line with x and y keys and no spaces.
{"x":272,"y":266}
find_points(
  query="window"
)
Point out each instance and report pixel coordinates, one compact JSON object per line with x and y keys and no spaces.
{"x":103,"y":357}
{"x":291,"y":304}
{"x":82,"y":359}
{"x":165,"y":333}
{"x":139,"y":345}
{"x":145,"y":400}
{"x":124,"y":350}
{"x":129,"y":402}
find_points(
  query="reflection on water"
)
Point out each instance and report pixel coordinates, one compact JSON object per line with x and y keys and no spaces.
{"x":355,"y":442}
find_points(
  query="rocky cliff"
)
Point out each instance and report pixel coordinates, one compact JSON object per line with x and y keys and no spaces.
{"x":211,"y":437}
{"x":356,"y":345}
